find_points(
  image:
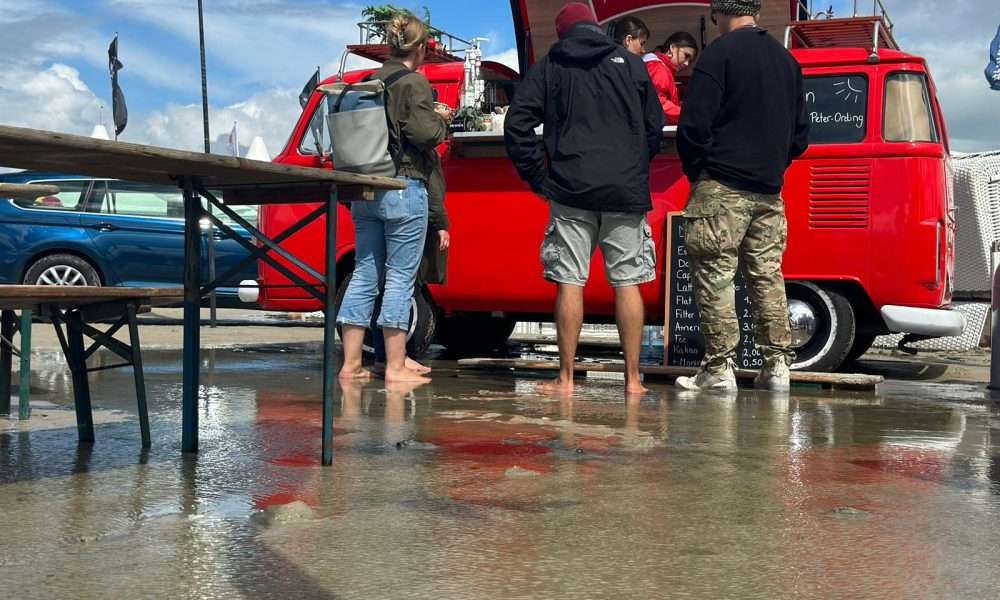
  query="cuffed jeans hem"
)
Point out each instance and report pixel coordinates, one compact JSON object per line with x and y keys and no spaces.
{"x":635,"y":281}
{"x":365,"y":325}
{"x":404,"y":326}
{"x":565,"y":280}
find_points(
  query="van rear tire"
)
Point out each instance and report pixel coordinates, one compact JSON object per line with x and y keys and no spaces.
{"x":469,"y":335}
{"x":423,"y":321}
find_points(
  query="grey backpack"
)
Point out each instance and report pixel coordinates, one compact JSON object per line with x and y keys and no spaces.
{"x":359,"y":125}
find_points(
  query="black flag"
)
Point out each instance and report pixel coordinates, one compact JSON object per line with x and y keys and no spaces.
{"x":307,"y":91}
{"x":117,"y":97}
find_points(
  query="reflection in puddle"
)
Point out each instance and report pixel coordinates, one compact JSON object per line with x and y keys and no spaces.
{"x":476,"y":487}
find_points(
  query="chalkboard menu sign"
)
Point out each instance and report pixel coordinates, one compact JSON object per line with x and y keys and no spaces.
{"x":685,"y":345}
{"x":837,"y":108}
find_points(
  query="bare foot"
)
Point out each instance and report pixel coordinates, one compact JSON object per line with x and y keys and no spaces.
{"x":559,"y":387}
{"x":355,"y":374}
{"x":417,"y":367}
{"x":379,"y":367}
{"x":635,"y":387}
{"x":404,"y":375}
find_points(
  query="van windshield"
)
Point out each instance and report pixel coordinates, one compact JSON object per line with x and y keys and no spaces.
{"x":908,"y":115}
{"x":837,"y":108}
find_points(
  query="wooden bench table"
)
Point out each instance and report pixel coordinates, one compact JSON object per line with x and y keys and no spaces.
{"x":241,"y":181}
{"x":73,"y":311}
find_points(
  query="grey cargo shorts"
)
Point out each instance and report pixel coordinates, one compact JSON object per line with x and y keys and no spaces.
{"x":625,"y":239}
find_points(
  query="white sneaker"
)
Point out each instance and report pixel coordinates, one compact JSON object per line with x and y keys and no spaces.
{"x":774,"y":377}
{"x":708,"y":381}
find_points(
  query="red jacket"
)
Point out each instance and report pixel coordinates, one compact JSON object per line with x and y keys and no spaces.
{"x":661,"y":71}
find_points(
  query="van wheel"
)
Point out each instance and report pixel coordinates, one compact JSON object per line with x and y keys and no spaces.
{"x":423,"y":321}
{"x":862,"y":344}
{"x":475,"y":334}
{"x":823,"y":327}
{"x":62,"y":269}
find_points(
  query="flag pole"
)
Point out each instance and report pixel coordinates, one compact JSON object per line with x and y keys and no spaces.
{"x":208,"y":149}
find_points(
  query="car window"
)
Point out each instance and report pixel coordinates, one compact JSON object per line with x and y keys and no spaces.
{"x":145,"y":200}
{"x":316,"y":140}
{"x":837,"y":108}
{"x":908,"y":114}
{"x":70,"y":197}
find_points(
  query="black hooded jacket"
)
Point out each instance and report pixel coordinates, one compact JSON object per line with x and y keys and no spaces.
{"x":603,"y":125}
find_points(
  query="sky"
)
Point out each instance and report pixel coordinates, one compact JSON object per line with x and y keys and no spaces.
{"x":53,"y":61}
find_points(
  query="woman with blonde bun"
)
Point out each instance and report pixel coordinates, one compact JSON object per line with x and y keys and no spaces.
{"x":390,"y":232}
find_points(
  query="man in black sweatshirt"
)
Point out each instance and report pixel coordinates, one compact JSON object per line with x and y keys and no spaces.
{"x":743,"y":123}
{"x":603,"y":125}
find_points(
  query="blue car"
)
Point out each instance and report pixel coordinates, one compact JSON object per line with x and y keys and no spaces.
{"x":108,"y":232}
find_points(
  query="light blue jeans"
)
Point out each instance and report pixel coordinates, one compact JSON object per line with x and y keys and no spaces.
{"x":389,"y":234}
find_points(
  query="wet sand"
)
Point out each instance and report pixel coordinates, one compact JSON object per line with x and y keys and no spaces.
{"x":477,"y":487}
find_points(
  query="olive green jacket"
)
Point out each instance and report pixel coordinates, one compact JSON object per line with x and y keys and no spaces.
{"x":415,"y":130}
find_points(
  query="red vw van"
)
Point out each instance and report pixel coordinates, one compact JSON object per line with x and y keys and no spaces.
{"x":870,"y":209}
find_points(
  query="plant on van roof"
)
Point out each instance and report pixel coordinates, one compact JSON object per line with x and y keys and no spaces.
{"x":379,"y":17}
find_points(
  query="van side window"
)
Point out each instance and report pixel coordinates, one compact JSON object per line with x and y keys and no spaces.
{"x":837,"y":108}
{"x":316,"y":133}
{"x":908,"y":113}
{"x":70,"y":197}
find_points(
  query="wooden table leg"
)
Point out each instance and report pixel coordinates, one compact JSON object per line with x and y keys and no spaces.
{"x":192,"y":317}
{"x":81,"y":384}
{"x":138,"y":375}
{"x":24,"y":382}
{"x":330,"y":327}
{"x":6,"y":358}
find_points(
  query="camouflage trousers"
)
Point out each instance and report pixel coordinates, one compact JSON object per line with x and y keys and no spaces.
{"x":725,"y":229}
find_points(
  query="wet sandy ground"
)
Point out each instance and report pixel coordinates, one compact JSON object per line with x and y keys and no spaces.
{"x":476,"y":487}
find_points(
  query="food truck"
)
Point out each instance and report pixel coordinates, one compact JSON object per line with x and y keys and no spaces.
{"x":871,"y":215}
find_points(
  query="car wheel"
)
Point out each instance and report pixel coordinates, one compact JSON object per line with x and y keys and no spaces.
{"x":423,"y":321}
{"x":62,"y":269}
{"x":472,"y":334}
{"x":823,"y":327}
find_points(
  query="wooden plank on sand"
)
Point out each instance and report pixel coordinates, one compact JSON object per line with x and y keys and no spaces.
{"x":843,"y":381}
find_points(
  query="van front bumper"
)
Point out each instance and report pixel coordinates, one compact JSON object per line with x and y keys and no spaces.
{"x":924,"y":321}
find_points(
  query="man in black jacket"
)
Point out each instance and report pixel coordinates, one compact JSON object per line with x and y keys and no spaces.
{"x":603,"y":125}
{"x":743,"y":123}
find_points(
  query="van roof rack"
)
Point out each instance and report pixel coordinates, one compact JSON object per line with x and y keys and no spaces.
{"x":823,"y":30}
{"x":444,"y":49}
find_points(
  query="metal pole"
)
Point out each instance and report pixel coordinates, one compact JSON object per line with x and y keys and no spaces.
{"x":329,"y":326}
{"x":995,"y":316}
{"x":192,"y":317}
{"x":212,"y":302}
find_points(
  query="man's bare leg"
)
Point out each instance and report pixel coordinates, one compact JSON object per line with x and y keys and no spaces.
{"x":569,"y":320}
{"x":395,"y":358}
{"x":630,"y":316}
{"x":353,"y":367}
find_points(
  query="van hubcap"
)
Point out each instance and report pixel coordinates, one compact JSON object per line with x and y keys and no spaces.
{"x":802,"y":319}
{"x":62,"y":275}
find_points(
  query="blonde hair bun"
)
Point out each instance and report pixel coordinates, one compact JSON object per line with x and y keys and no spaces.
{"x":406,"y":33}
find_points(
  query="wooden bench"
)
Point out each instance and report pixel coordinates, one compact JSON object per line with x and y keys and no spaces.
{"x":74,"y":311}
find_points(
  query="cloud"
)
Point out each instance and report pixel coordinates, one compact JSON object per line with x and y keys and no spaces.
{"x":507,"y":57}
{"x":55,"y":99}
{"x":270,"y":114}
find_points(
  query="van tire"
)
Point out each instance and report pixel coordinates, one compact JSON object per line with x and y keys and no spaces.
{"x":422,"y":327}
{"x":474,"y":334}
{"x":862,"y":344}
{"x":62,"y":269}
{"x":836,"y":325}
